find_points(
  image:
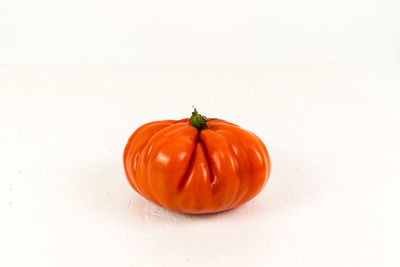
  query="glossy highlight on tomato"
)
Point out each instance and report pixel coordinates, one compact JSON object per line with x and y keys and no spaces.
{"x":196,"y":165}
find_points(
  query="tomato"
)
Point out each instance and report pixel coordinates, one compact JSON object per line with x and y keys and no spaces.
{"x":196,"y":165}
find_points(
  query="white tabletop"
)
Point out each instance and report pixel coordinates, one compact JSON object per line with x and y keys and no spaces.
{"x":332,"y":199}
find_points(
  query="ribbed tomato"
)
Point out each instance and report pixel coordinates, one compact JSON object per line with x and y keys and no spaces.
{"x":194,"y":166}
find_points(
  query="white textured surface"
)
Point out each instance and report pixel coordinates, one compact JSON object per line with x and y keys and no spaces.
{"x":332,"y":199}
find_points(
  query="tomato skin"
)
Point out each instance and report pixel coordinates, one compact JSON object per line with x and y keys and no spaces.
{"x":178,"y":167}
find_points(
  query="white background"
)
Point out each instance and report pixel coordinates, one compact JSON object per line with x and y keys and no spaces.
{"x":318,"y":83}
{"x":119,"y":32}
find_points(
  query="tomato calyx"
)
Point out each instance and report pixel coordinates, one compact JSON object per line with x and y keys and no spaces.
{"x":199,"y":121}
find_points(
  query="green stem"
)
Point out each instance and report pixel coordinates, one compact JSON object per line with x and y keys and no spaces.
{"x":197,"y":120}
